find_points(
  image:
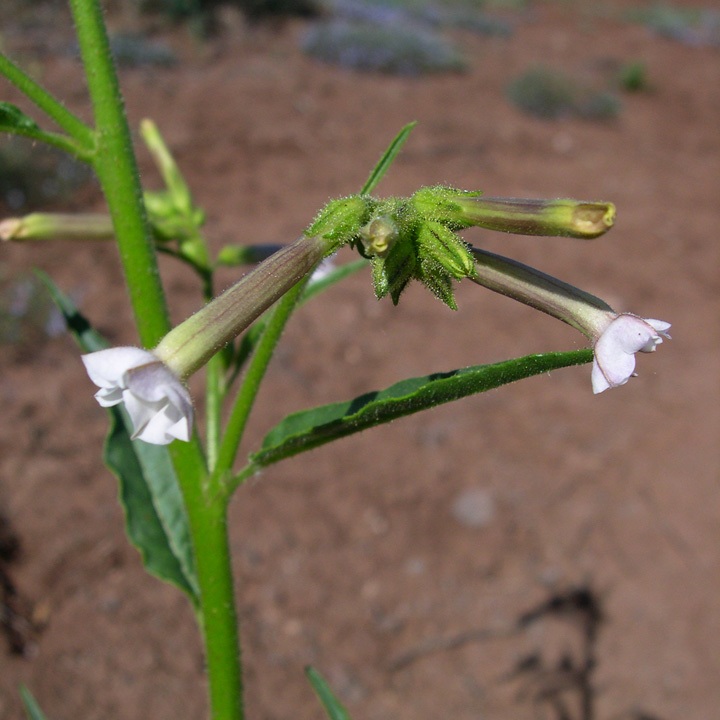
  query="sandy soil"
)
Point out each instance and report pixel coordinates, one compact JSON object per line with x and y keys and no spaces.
{"x":528,"y":553}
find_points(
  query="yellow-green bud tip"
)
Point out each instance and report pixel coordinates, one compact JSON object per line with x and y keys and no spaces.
{"x":593,"y":219}
{"x":378,"y":236}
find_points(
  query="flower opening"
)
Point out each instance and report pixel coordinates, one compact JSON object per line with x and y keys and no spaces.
{"x":159,"y":405}
{"x":615,"y":348}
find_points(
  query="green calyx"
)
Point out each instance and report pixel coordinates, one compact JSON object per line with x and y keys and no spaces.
{"x":416,"y":244}
{"x":341,"y":220}
{"x":405,"y":238}
{"x":442,"y":204}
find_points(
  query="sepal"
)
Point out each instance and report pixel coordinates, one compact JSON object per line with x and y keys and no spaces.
{"x":392,"y":273}
{"x":437,"y":244}
{"x":440,"y":204}
{"x":341,"y":220}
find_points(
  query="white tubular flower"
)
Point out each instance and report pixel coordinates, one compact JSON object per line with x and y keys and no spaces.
{"x":158,"y":403}
{"x":615,"y":349}
{"x":151,"y":383}
{"x":616,"y":337}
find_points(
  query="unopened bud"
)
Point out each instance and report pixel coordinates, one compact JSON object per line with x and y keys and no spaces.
{"x":57,"y":226}
{"x":178,"y":190}
{"x":563,"y":218}
{"x":378,"y":236}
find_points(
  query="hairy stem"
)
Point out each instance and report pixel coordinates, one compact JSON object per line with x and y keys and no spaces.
{"x":251,"y":384}
{"x":69,"y":122}
{"x":114,"y":162}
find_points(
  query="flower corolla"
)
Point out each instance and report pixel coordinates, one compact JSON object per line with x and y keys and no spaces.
{"x":158,"y":403}
{"x":615,"y":348}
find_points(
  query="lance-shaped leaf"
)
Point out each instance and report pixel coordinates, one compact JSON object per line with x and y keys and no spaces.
{"x":14,"y":121}
{"x":387,"y":159}
{"x":333,"y":707}
{"x":309,"y":429}
{"x":155,"y":516}
{"x":32,"y":709}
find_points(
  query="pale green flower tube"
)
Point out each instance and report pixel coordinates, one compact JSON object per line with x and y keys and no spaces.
{"x":187,"y":347}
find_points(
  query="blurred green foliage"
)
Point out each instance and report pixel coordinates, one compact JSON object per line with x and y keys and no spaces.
{"x":550,"y":94}
{"x":633,"y":77}
{"x":693,"y":26}
{"x":392,"y":48}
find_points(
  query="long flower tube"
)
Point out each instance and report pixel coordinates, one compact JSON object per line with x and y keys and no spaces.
{"x":151,"y":383}
{"x":616,"y":337}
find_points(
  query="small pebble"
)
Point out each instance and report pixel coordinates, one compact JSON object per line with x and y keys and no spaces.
{"x":474,"y":508}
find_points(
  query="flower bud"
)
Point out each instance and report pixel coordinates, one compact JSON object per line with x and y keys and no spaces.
{"x":565,"y":218}
{"x":57,"y":226}
{"x":392,"y":274}
{"x":378,"y":236}
{"x":561,"y":218}
{"x":177,"y":189}
{"x":439,"y":245}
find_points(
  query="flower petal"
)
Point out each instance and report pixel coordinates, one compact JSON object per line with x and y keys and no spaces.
{"x":615,"y":349}
{"x":159,"y":405}
{"x":168,"y":411}
{"x":106,"y":367}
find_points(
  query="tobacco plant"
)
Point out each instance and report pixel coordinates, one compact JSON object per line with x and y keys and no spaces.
{"x":174,"y":485}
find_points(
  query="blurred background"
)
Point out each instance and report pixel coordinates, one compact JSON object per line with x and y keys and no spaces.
{"x":535,"y":552}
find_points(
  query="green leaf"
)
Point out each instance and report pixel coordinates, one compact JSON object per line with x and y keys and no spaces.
{"x":156,"y":521}
{"x":14,"y":120}
{"x":332,"y":705}
{"x":387,"y":159}
{"x":155,"y":515}
{"x":31,"y":707}
{"x":309,"y":429}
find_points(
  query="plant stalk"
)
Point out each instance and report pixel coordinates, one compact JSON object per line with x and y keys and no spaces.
{"x":114,"y":163}
{"x":217,"y":618}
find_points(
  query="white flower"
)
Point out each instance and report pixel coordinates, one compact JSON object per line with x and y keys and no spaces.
{"x":615,"y":349}
{"x":326,"y":266}
{"x":159,"y":405}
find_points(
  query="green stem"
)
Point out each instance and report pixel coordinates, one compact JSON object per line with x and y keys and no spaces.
{"x":217,"y":618}
{"x":115,"y":165}
{"x":116,"y":168}
{"x":47,"y":103}
{"x":214,"y":388}
{"x":213,"y":407}
{"x":250,"y":386}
